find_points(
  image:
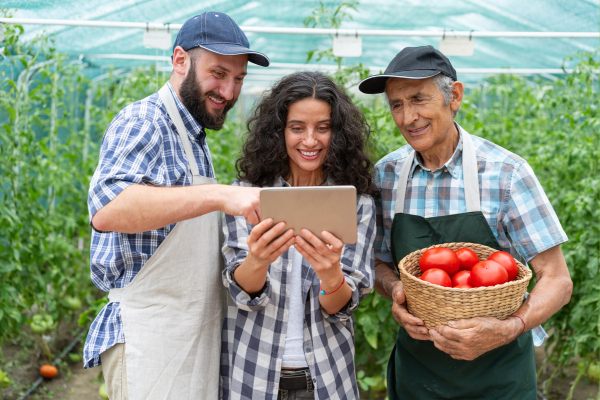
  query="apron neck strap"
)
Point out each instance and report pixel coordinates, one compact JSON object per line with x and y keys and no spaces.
{"x":403,"y":182}
{"x":470,"y":173}
{"x":169,"y":102}
{"x":470,"y":176}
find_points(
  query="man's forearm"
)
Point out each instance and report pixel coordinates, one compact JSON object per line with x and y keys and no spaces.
{"x":552,"y":289}
{"x":140,"y":208}
{"x":385,"y":278}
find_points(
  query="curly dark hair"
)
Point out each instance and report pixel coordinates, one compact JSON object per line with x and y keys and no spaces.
{"x":264,"y":156}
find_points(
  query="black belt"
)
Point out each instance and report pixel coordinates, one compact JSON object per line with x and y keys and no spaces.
{"x":297,"y":380}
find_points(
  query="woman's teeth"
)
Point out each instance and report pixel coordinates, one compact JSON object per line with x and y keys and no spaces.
{"x":309,"y":153}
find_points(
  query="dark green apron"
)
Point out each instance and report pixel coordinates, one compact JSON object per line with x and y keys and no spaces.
{"x":417,"y":370}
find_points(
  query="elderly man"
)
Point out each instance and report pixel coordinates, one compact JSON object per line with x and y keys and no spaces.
{"x":449,"y":186}
{"x":154,"y":206}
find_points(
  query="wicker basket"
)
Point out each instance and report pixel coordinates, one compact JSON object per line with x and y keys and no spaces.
{"x":436,"y":305}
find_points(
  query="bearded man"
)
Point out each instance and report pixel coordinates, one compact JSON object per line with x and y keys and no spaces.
{"x":155,"y":210}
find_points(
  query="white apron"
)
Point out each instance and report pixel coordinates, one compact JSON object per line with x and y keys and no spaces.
{"x":172,"y":310}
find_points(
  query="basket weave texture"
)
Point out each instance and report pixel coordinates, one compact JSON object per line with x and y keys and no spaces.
{"x":436,"y":305}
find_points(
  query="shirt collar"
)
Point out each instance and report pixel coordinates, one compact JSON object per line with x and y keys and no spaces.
{"x":190,"y":122}
{"x":453,"y":165}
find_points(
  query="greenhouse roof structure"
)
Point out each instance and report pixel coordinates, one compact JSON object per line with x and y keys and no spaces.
{"x":501,"y":31}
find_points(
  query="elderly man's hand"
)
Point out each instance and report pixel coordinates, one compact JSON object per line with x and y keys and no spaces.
{"x":413,"y":325}
{"x":467,"y":339}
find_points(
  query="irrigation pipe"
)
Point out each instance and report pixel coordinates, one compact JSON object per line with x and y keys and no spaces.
{"x":306,"y":31}
{"x":66,"y":351}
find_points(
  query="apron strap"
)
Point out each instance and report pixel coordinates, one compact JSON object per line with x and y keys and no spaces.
{"x":470,"y":176}
{"x":470,"y":173}
{"x":169,"y":102}
{"x":114,"y":295}
{"x":403,"y":182}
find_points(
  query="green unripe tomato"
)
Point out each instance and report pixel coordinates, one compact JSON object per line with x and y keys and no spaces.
{"x":41,"y":323}
{"x":72,"y":303}
{"x":102,"y":391}
{"x":593,"y":372}
{"x":4,"y":379}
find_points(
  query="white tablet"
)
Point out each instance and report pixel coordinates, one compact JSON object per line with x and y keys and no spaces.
{"x":316,"y":208}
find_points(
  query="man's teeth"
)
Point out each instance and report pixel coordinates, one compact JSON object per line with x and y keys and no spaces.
{"x":309,"y":153}
{"x":216,"y":101}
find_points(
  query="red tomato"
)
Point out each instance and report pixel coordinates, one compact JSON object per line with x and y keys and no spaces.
{"x":488,"y":273}
{"x":461,"y":278}
{"x":463,"y":287}
{"x":48,"y":371}
{"x":437,"y":277}
{"x":467,"y":258}
{"x":507,"y":261}
{"x":440,"y":257}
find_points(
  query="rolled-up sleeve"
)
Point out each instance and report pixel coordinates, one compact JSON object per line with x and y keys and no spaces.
{"x":129,"y":153}
{"x":357,"y":261}
{"x":235,"y":250}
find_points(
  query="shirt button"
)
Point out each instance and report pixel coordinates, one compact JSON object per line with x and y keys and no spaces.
{"x":430,"y":186}
{"x":314,"y":380}
{"x":308,"y":349}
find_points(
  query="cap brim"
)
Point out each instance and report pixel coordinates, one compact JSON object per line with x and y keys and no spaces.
{"x":376,"y":83}
{"x":233,"y":49}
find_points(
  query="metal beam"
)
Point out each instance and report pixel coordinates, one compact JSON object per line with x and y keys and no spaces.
{"x":308,"y":31}
{"x":329,"y":67}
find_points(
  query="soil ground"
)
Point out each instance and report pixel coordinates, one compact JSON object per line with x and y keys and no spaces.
{"x":21,"y":362}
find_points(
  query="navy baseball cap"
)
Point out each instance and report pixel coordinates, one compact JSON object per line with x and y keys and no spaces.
{"x":217,"y":32}
{"x":411,"y":63}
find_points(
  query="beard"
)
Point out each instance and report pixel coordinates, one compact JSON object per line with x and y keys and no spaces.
{"x":194,"y":100}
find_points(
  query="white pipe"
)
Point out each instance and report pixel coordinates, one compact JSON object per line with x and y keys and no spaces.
{"x":329,"y":67}
{"x":308,"y":31}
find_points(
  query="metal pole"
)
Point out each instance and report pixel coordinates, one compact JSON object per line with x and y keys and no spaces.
{"x":374,"y":69}
{"x":308,"y":31}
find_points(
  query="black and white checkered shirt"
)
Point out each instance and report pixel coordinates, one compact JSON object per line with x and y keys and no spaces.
{"x":254,"y":330}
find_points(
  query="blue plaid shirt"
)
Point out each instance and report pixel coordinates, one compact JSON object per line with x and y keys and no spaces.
{"x":253,"y":338}
{"x":140,"y":146}
{"x":512,"y":200}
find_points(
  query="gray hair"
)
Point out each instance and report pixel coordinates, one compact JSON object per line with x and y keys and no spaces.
{"x":444,"y":84}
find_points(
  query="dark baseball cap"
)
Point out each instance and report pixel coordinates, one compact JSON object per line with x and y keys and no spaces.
{"x":217,"y":32}
{"x":411,"y":63}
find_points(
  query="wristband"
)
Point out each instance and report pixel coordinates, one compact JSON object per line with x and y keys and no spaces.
{"x":325,"y":294}
{"x":516,"y":316}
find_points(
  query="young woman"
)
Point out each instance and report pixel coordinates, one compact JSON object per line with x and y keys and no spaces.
{"x":282,"y":337}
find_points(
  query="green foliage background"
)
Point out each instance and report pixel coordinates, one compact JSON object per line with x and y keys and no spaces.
{"x":52,"y":118}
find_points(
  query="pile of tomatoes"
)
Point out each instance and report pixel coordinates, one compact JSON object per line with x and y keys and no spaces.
{"x":462,"y":268}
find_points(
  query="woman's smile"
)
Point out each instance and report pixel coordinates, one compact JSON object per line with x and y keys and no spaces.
{"x":309,"y":154}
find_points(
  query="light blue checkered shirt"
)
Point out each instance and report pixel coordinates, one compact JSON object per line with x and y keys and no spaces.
{"x":512,"y":200}
{"x":141,"y":145}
